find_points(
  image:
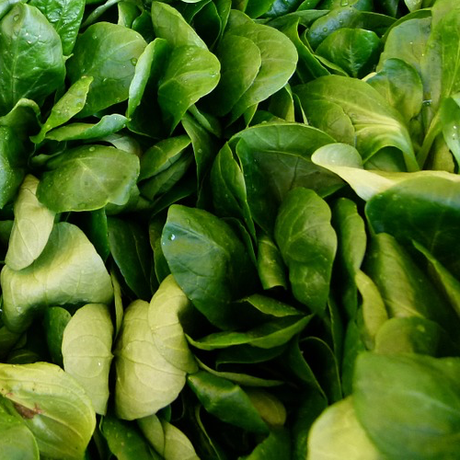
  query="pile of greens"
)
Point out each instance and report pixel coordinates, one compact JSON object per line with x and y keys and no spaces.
{"x":229,"y":229}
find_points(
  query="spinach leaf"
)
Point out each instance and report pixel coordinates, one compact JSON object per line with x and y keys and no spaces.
{"x":278,"y":61}
{"x":129,"y":247}
{"x":432,"y":220}
{"x":308,"y":245}
{"x":69,"y":105}
{"x":226,"y":401}
{"x":108,"y":53}
{"x":208,"y":261}
{"x":89,"y":182}
{"x":408,"y":404}
{"x":125,"y":441}
{"x":167,"y":308}
{"x":32,"y":226}
{"x":107,"y":125}
{"x":146,"y":381}
{"x":377,"y":125}
{"x":191,"y":73}
{"x":32,"y":60}
{"x":65,"y":16}
{"x":16,"y":440}
{"x":55,"y":321}
{"x":43,"y":394}
{"x":86,"y":351}
{"x":49,"y":280}
{"x":275,"y":158}
{"x":268,"y":335}
{"x":354,"y":50}
{"x":337,"y":434}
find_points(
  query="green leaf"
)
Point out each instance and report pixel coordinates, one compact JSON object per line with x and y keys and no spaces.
{"x":404,"y":287}
{"x":270,"y":265}
{"x":226,"y":401}
{"x":208,"y":261}
{"x":55,"y":321}
{"x":44,"y":395}
{"x":167,"y":308}
{"x":146,"y":380}
{"x":152,"y":429}
{"x":434,"y":215}
{"x":106,"y":126}
{"x":354,"y":50}
{"x":275,"y":158}
{"x":443,"y":279}
{"x":152,"y":53}
{"x":276,"y":445}
{"x":16,"y":441}
{"x":170,"y":25}
{"x":308,"y":245}
{"x":240,"y":59}
{"x":65,"y":16}
{"x":409,"y":405}
{"x":278,"y":63}
{"x":130,"y":248}
{"x":33,"y":223}
{"x":268,"y":335}
{"x":32,"y":60}
{"x":377,"y":124}
{"x":191,"y":73}
{"x":69,"y":105}
{"x":373,"y":311}
{"x":86,"y":350}
{"x":162,"y":155}
{"x":343,"y":16}
{"x":87,"y":178}
{"x":229,"y":188}
{"x":351,"y":240}
{"x":409,"y":335}
{"x":337,"y":434}
{"x":15,"y":147}
{"x":307,"y":411}
{"x":270,"y":408}
{"x":246,"y":380}
{"x":108,"y":53}
{"x":401,"y":86}
{"x":124,"y":440}
{"x":50,"y":280}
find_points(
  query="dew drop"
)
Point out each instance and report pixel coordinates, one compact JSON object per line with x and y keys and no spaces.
{"x":92,"y":149}
{"x":325,"y":29}
{"x":172,"y":237}
{"x":133,"y":61}
{"x":16,"y":17}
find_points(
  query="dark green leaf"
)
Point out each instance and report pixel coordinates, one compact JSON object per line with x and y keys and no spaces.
{"x":308,"y":244}
{"x":108,"y":53}
{"x":130,"y":248}
{"x":208,"y":261}
{"x":65,"y":16}
{"x":32,"y":60}
{"x":226,"y":401}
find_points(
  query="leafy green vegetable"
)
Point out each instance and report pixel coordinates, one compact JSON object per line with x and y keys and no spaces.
{"x":86,"y":351}
{"x":252,"y":207}
{"x":43,"y":395}
{"x":308,"y":244}
{"x":413,"y":414}
{"x":32,"y":60}
{"x":146,"y":381}
{"x":88,"y":186}
{"x":32,"y":227}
